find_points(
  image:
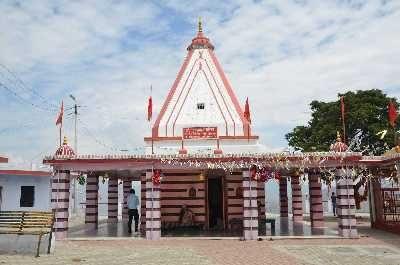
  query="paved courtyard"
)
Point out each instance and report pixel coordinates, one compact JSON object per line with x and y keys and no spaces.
{"x":373,"y":247}
{"x":383,"y":248}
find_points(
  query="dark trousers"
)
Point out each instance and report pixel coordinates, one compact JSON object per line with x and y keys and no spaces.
{"x":133,"y":213}
{"x":334,"y":208}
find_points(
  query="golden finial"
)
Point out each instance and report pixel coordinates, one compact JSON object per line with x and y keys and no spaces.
{"x":65,"y":142}
{"x":338,"y":137}
{"x":200,"y":26}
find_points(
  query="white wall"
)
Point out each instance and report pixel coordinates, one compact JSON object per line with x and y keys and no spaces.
{"x":11,"y":192}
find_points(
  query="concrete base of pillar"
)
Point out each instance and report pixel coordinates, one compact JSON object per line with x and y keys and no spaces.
{"x":250,"y":234}
{"x":112,"y":220}
{"x":153,"y":235}
{"x":350,"y":233}
{"x":90,"y":226}
{"x":60,"y":235}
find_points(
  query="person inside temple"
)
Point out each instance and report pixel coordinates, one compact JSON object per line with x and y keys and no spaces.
{"x":186,"y":216}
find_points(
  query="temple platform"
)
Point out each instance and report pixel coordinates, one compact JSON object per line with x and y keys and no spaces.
{"x":284,"y":227}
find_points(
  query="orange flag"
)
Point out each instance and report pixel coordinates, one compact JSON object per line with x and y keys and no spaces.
{"x":150,"y":109}
{"x":247,"y":111}
{"x":392,"y":114}
{"x":60,"y":114}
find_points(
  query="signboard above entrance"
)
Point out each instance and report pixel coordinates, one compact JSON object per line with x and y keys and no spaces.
{"x":200,"y":133}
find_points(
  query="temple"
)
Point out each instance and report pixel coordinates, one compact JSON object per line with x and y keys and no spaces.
{"x":205,"y":171}
{"x":201,"y":113}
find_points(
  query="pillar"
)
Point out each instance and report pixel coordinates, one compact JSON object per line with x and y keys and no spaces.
{"x":345,"y":204}
{"x":143,"y":204}
{"x":153,"y":208}
{"x":113,"y":200}
{"x":92,"y":204}
{"x":297,"y":199}
{"x":250,"y":209}
{"x":316,"y":207}
{"x":127,"y":186}
{"x":283,"y":196}
{"x":376,"y":205}
{"x":60,"y":202}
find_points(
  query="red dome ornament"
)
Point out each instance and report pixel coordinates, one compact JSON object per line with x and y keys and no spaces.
{"x":156,"y":178}
{"x":65,"y":151}
{"x":339,"y":146}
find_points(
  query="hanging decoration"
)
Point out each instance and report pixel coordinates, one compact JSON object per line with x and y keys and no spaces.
{"x":278,"y":175}
{"x":156,"y":178}
{"x":265,"y":174}
{"x":253,"y":173}
{"x":81,"y":179}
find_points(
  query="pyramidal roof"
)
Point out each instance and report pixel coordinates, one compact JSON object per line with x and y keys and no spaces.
{"x":201,"y":96}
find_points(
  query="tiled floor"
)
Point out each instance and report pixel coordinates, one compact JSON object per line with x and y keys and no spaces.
{"x":283,"y":227}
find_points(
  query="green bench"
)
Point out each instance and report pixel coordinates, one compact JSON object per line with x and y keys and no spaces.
{"x":28,"y":223}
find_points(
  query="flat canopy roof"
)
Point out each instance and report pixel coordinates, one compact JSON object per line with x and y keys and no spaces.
{"x":26,"y":173}
{"x":3,"y":159}
{"x":285,"y":161}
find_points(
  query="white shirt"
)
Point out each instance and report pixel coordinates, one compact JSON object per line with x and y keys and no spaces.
{"x":133,"y":201}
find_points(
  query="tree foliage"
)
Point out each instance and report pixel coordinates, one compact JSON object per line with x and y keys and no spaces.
{"x":366,"y":114}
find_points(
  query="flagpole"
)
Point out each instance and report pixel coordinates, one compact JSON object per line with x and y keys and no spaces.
{"x":60,"y":133}
{"x":343,"y":118}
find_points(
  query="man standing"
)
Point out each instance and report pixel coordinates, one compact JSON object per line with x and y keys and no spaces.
{"x":133,"y":203}
{"x":333,"y":199}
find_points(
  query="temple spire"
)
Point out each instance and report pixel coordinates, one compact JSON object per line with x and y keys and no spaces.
{"x":200,"y":26}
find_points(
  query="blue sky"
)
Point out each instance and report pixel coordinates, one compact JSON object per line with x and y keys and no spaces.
{"x":280,"y":54}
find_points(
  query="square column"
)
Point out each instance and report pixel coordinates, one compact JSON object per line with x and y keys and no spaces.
{"x":297,"y":199}
{"x":112,"y":200}
{"x":127,"y":186}
{"x":250,"y":209}
{"x":92,"y":204}
{"x":283,"y":196}
{"x":153,"y":208}
{"x":316,"y":207}
{"x":345,"y":204}
{"x":60,"y":186}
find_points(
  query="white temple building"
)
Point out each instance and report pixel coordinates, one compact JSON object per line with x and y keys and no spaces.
{"x":201,"y":113}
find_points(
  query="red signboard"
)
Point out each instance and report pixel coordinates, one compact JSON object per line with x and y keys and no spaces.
{"x":200,"y":133}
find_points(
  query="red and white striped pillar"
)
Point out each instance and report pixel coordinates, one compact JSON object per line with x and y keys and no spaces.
{"x":153,"y":208}
{"x":60,"y":202}
{"x":345,"y":204}
{"x":297,"y":199}
{"x":250,"y":209}
{"x":316,"y":207}
{"x":92,"y":204}
{"x":283,"y":196}
{"x":113,"y":200}
{"x":127,"y":186}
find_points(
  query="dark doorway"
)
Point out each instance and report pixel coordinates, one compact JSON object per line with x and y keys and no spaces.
{"x":215,"y":203}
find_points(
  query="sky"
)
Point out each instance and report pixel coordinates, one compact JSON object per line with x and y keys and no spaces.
{"x":280,"y":54}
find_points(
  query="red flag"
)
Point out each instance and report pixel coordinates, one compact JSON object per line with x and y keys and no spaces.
{"x":342,"y":107}
{"x":392,"y":114}
{"x":61,"y":114}
{"x":150,"y":109}
{"x":247,"y":111}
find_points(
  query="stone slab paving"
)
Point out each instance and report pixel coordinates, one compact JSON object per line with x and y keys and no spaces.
{"x":353,"y":254}
{"x":383,"y":250}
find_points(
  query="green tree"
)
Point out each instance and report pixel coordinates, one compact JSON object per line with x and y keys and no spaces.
{"x":366,"y":114}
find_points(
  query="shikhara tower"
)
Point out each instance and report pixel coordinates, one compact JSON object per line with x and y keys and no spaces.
{"x":201,"y":113}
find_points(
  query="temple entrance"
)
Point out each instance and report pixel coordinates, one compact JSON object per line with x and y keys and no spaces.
{"x":215,"y":201}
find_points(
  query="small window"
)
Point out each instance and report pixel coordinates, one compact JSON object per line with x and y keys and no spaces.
{"x":200,"y":105}
{"x":27,"y":196}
